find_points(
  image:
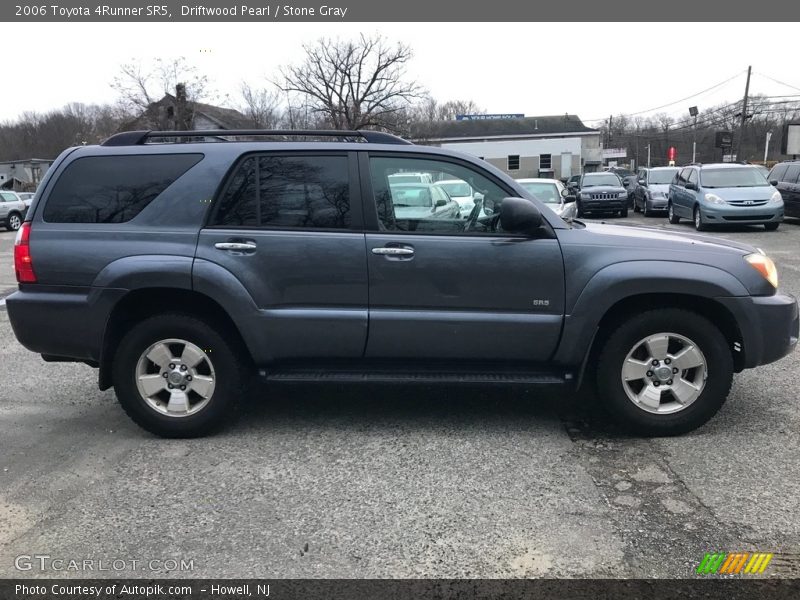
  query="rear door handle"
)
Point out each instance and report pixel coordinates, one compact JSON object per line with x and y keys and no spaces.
{"x":393,"y":251}
{"x":236,"y":246}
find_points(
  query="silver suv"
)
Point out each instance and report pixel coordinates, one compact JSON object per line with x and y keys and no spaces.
{"x":12,"y":210}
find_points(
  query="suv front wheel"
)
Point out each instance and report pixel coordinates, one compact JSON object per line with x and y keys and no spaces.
{"x":665,"y":372}
{"x":673,"y":218}
{"x":177,"y":376}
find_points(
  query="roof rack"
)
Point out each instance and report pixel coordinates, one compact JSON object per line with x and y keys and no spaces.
{"x":137,"y":138}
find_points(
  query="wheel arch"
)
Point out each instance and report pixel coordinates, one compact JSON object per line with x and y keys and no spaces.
{"x":711,"y":309}
{"x":142,"y":303}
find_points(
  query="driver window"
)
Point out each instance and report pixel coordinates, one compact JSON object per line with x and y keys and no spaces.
{"x":431,"y":196}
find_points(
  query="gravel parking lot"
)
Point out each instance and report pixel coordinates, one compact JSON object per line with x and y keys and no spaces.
{"x":393,"y":481}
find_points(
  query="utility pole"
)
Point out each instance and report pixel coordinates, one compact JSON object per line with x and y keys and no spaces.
{"x":766,"y":147}
{"x":648,"y":156}
{"x":744,"y":115}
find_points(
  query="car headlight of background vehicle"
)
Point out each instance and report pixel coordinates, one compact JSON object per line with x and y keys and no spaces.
{"x":585,"y":196}
{"x":658,"y":195}
{"x":714,"y":199}
{"x":764,"y":265}
{"x":776,"y":197}
{"x":622,"y":195}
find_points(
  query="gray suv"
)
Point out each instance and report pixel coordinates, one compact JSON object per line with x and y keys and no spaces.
{"x":180,"y":269}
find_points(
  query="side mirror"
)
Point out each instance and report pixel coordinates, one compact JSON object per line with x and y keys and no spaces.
{"x":642,"y":182}
{"x":691,"y":186}
{"x":440,"y":203}
{"x":773,"y":182}
{"x":519,"y":216}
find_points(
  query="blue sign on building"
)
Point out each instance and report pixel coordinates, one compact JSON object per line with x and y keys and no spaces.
{"x":490,"y":117}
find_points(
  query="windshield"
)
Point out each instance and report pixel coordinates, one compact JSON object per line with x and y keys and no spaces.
{"x":546,"y":192}
{"x":601,"y":179}
{"x":661,"y":176}
{"x":411,"y":195}
{"x":734,"y":177}
{"x":457,"y":189}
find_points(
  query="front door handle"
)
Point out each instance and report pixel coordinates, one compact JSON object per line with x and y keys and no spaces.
{"x":236,"y":246}
{"x":393,"y":251}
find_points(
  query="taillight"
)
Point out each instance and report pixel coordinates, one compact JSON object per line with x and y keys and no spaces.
{"x":23,"y":265}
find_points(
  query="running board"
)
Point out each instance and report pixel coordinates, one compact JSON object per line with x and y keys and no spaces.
{"x":425,"y":377}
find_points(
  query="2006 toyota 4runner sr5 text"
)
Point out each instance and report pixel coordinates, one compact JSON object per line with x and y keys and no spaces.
{"x":178,"y":269}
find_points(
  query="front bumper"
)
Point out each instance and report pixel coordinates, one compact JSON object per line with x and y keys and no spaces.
{"x":770,"y":326}
{"x":604,"y":205}
{"x":743,"y":215}
{"x":656,"y":203}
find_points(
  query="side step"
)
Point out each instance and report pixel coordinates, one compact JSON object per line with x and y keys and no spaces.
{"x":416,"y":376}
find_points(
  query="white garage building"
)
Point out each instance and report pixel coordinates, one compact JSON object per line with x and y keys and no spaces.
{"x":549,"y":146}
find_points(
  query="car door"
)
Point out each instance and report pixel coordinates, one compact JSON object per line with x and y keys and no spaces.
{"x":680,"y":195}
{"x":456,"y":289}
{"x":288,"y":226}
{"x":791,"y":190}
{"x":692,"y":196}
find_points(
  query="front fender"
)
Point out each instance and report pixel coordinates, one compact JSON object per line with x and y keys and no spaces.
{"x":619,"y":281}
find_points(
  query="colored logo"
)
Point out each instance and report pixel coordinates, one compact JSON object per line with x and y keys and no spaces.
{"x":734,"y":563}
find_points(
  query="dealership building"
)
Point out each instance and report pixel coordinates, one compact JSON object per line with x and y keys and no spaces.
{"x":549,"y":146}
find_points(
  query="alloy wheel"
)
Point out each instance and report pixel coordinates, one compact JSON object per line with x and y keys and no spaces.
{"x":664,"y":373}
{"x":175,"y":378}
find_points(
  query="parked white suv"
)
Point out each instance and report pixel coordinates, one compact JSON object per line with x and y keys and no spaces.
{"x":12,"y":210}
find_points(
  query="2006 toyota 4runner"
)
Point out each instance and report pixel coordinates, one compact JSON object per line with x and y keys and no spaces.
{"x":179,"y":263}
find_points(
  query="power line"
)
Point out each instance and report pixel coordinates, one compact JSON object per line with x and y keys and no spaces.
{"x":794,"y":87}
{"x":713,"y":87}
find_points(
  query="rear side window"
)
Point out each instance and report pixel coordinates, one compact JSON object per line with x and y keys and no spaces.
{"x":113,"y":189}
{"x":778,"y":172}
{"x":792,"y":173}
{"x":291,"y":192}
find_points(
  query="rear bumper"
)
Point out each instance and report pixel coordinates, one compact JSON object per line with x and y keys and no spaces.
{"x":770,"y":326}
{"x":63,"y":322}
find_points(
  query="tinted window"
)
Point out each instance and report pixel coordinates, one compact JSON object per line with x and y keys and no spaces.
{"x":692,"y":176}
{"x":287,"y":192}
{"x":792,"y":173}
{"x":683,"y":177}
{"x":778,"y":172}
{"x":113,"y":189}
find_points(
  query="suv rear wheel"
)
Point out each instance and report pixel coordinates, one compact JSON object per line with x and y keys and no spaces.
{"x":177,"y":376}
{"x":665,"y":372}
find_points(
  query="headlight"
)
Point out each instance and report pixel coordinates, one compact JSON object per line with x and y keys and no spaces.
{"x":585,"y":196}
{"x":776,"y":197}
{"x":622,"y":195}
{"x":714,"y":199}
{"x":764,"y":265}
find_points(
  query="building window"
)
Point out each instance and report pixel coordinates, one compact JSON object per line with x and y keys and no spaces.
{"x":513,"y":162}
{"x":545,"y":162}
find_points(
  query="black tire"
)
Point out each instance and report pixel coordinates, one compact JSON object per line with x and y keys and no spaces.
{"x":13,"y":221}
{"x":580,"y":209}
{"x":635,"y":205}
{"x":230,"y":375}
{"x":711,"y":342}
{"x":623,"y":213}
{"x":771,"y":226}
{"x":673,"y":218}
{"x":699,"y":224}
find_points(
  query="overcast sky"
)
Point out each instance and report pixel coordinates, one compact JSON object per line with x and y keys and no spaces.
{"x":534,"y":68}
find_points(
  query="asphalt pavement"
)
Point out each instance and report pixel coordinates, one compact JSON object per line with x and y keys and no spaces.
{"x":394,"y":481}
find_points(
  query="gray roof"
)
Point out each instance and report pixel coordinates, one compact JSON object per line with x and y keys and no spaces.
{"x":551,"y":124}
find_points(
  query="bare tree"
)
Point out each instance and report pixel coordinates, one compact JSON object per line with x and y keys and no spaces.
{"x":353,"y":84}
{"x":140,"y":85}
{"x":261,"y":106}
